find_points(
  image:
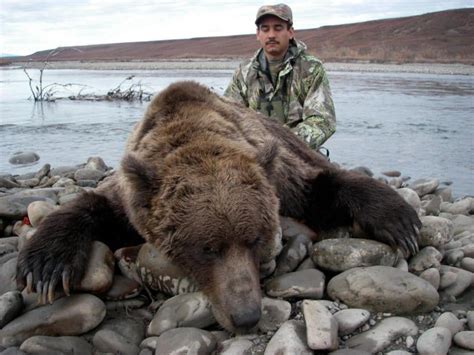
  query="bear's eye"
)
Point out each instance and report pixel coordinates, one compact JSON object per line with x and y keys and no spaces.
{"x":254,"y":242}
{"x":211,"y":252}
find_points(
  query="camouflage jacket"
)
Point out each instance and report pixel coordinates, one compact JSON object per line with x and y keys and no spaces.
{"x":300,"y":98}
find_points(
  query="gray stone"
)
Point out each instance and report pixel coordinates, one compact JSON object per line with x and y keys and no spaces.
{"x":465,"y":339}
{"x":274,"y":313}
{"x":464,"y":206}
{"x":392,"y":173}
{"x":64,"y":171}
{"x":55,"y":319}
{"x":463,"y":223}
{"x":383,"y":289}
{"x":301,"y":284}
{"x":96,"y":163}
{"x":64,"y":182}
{"x":402,"y":264}
{"x":432,"y":276}
{"x":41,"y":344}
{"x":436,"y":231}
{"x":351,"y":319}
{"x":20,"y":158}
{"x":470,"y":320}
{"x":131,"y":329}
{"x":306,"y":264}
{"x":432,"y":207}
{"x":398,"y":352}
{"x":450,"y":321}
{"x":383,"y":334}
{"x":344,"y":254}
{"x":43,"y":172}
{"x":109,"y":341}
{"x":7,"y":276}
{"x":8,"y":182}
{"x":453,"y":257}
{"x":88,"y":174}
{"x":15,"y":206}
{"x":411,"y":197}
{"x":436,"y":340}
{"x":445,"y":192}
{"x":237,"y":346}
{"x":159,"y":273}
{"x":185,"y":310}
{"x":349,"y":352}
{"x":462,"y":281}
{"x":321,"y":326}
{"x":37,"y":210}
{"x":11,"y":304}
{"x":99,"y":274}
{"x":123,"y":288}
{"x":185,"y":341}
{"x":290,"y":339}
{"x":293,"y":253}
{"x":424,"y":186}
{"x":428,"y":257}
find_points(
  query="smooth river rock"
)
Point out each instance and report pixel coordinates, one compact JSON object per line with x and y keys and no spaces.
{"x":344,"y":254}
{"x":436,"y":231}
{"x":301,"y":284}
{"x":86,"y":310}
{"x":186,"y":310}
{"x":383,"y":334}
{"x":185,"y":341}
{"x":290,"y":339}
{"x":383,"y":289}
{"x":41,"y":344}
{"x":435,"y":340}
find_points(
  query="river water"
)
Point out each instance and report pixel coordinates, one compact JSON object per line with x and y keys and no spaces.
{"x":420,"y":124}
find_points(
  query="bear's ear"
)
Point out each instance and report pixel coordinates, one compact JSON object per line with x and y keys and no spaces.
{"x":144,"y":180}
{"x":266,"y":156}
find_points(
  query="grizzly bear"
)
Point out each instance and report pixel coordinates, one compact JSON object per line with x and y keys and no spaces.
{"x":205,"y":180}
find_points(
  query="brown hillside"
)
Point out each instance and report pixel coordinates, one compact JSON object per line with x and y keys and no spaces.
{"x":441,"y":37}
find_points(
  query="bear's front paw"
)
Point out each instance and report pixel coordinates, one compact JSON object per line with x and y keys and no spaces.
{"x":45,"y":265}
{"x":393,"y":222}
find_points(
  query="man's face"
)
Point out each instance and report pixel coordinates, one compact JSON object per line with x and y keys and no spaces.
{"x":274,"y":36}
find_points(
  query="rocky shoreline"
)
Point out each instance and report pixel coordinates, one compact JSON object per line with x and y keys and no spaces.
{"x":335,"y":295}
{"x":231,"y":64}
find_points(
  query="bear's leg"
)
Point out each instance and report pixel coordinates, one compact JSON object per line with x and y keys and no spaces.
{"x":343,"y":198}
{"x":57,"y":253}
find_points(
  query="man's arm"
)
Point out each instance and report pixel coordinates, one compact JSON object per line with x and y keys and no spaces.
{"x":234,"y":89}
{"x":319,"y":117}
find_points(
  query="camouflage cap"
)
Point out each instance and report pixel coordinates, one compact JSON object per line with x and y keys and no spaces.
{"x":281,"y":11}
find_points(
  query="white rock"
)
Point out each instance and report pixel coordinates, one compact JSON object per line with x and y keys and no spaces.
{"x":321,"y":326}
{"x":185,"y":310}
{"x":450,"y":321}
{"x":436,"y":231}
{"x":37,"y":210}
{"x":436,"y":340}
{"x":383,"y":334}
{"x":411,"y":197}
{"x":432,"y":276}
{"x":465,"y":339}
{"x":274,"y":313}
{"x":351,"y":319}
{"x":288,"y":340}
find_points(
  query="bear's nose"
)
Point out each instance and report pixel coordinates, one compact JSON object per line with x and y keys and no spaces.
{"x":246,"y":318}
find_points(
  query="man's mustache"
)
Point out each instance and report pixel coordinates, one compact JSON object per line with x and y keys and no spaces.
{"x":272,"y":42}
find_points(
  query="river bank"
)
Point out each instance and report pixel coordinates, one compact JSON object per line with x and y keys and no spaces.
{"x":203,"y":64}
{"x":127,"y":305}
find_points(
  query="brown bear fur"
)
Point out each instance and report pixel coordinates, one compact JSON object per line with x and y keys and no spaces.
{"x":205,"y":180}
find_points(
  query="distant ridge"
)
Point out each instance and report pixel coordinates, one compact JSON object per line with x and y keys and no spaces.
{"x":439,"y":37}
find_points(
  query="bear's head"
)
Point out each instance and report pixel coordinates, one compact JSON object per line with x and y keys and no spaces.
{"x":214,"y":215}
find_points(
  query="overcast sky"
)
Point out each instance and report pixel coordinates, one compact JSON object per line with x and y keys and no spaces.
{"x":28,"y":26}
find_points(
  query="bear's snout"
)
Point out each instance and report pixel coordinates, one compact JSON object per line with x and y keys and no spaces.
{"x":235,"y":295}
{"x":246,"y":318}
